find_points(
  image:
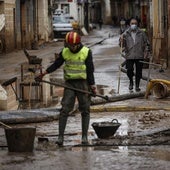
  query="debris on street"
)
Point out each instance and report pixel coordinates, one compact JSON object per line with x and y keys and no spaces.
{"x":153,"y":117}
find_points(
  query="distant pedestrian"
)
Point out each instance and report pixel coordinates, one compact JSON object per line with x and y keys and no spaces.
{"x":136,"y":44}
{"x":78,"y":73}
{"x":122,"y":25}
{"x":100,"y":22}
{"x":114,"y":19}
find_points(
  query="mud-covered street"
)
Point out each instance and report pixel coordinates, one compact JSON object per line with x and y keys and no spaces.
{"x":146,"y":153}
{"x":141,"y":142}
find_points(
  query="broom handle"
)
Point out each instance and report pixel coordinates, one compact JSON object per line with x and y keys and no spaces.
{"x":75,"y":89}
{"x":3,"y":124}
{"x":121,"y":46}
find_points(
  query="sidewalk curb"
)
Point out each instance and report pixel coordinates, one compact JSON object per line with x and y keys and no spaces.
{"x":36,"y":116}
{"x":29,"y":116}
{"x":124,"y":108}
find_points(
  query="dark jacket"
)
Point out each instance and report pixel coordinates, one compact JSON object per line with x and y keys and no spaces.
{"x":89,"y":66}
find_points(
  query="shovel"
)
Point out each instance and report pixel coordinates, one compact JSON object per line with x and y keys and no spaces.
{"x":75,"y":89}
{"x":118,"y":86}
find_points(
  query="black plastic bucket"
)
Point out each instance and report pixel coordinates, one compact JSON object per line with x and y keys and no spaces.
{"x":20,"y":139}
{"x":106,"y":129}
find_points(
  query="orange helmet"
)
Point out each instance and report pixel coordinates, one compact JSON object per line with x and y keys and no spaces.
{"x":72,"y":38}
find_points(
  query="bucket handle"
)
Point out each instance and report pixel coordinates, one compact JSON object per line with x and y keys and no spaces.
{"x":115,"y":120}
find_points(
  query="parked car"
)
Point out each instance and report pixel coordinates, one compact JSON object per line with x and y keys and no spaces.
{"x":61,"y":25}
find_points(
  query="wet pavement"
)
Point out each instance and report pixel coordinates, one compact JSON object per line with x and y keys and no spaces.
{"x":106,"y":155}
{"x":92,"y":159}
{"x":107,"y":58}
{"x":137,"y":143}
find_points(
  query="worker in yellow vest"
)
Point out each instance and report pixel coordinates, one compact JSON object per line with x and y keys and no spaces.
{"x":78,"y":73}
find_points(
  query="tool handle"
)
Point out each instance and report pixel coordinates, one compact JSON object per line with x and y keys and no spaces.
{"x":78,"y":90}
{"x":3,"y":124}
{"x":9,"y":82}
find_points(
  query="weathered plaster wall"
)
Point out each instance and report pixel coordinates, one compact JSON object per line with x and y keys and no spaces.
{"x":9,"y":6}
{"x":43,"y":26}
{"x":106,"y":12}
{"x":156,"y":30}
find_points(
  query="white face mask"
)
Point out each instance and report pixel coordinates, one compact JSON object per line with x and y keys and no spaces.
{"x":133,"y":26}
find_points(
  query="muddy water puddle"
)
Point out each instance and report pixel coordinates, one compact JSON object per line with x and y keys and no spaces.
{"x":91,"y":158}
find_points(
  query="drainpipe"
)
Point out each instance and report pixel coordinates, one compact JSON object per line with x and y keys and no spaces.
{"x":37,"y":19}
{"x":86,"y":17}
{"x":35,"y":43}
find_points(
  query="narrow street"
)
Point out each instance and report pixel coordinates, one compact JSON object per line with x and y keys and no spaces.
{"x":139,"y":143}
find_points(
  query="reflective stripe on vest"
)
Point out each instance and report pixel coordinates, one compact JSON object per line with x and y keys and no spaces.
{"x":75,"y":67}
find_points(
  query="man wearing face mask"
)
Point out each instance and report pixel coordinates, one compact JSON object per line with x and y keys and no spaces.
{"x":78,"y":73}
{"x":136,"y":45}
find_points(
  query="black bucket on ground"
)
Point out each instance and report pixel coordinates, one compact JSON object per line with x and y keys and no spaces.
{"x":20,"y":139}
{"x":106,"y":129}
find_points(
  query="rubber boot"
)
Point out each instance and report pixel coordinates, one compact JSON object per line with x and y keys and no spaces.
{"x":85,"y":127}
{"x":137,"y":85}
{"x":131,"y":84}
{"x":62,"y":125}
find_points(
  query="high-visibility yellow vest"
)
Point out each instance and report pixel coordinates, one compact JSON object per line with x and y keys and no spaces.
{"x":75,"y":67}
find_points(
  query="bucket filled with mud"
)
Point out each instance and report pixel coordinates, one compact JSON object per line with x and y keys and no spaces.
{"x":106,"y":129}
{"x":20,"y":139}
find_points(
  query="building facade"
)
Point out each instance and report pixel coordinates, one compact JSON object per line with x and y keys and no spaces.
{"x":26,"y":23}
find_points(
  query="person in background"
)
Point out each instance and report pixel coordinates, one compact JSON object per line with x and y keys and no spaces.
{"x":136,"y":45}
{"x":122,"y":25}
{"x":114,"y":19}
{"x":100,"y":22}
{"x":78,"y":73}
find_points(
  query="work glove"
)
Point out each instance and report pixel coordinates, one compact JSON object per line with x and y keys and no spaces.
{"x":93,"y":90}
{"x":40,"y":77}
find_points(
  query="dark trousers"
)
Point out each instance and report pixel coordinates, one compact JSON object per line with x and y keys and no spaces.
{"x":70,"y":96}
{"x":68,"y":101}
{"x":130,"y":69}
